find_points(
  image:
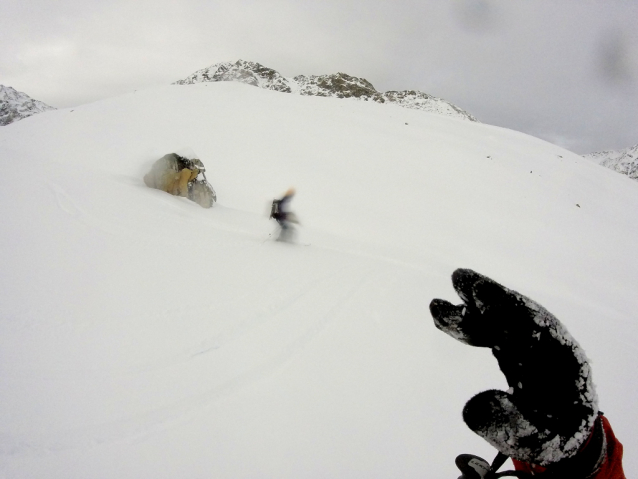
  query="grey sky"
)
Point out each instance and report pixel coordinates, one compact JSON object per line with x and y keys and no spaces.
{"x":562,"y":70}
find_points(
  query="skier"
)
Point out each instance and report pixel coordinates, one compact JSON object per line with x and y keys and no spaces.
{"x":280,"y":211}
{"x":548,"y":420}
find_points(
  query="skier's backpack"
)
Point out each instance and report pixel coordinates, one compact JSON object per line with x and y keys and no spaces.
{"x":274,"y":209}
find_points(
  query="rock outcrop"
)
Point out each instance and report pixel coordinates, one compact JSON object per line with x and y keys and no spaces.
{"x":182,"y":175}
{"x":15,"y":105}
{"x":337,"y":85}
{"x":623,"y":161}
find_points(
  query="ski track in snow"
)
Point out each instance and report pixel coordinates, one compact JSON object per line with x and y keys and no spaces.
{"x":201,"y":347}
{"x":65,"y":202}
{"x":140,"y":426}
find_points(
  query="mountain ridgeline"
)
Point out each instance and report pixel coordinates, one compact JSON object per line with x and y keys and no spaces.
{"x":337,"y":85}
{"x":623,"y":161}
{"x":15,"y":105}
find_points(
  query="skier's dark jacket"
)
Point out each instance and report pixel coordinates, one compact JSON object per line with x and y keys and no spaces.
{"x":280,"y":213}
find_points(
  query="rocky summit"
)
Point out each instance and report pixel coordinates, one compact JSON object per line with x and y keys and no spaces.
{"x":15,"y":105}
{"x":623,"y":161}
{"x":337,"y":85}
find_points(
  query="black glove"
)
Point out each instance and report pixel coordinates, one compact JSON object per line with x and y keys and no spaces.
{"x":551,"y":405}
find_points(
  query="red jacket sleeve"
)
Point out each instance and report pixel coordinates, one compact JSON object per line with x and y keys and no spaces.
{"x":611,"y":467}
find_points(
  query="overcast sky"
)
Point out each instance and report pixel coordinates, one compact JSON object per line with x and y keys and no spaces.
{"x":563,"y":70}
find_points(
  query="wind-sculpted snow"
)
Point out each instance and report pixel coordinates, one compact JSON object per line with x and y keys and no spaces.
{"x":15,"y":105}
{"x":623,"y":161}
{"x":338,"y":85}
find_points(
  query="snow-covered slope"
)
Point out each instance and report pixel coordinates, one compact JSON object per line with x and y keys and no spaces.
{"x":337,"y":85}
{"x":144,"y":336}
{"x":15,"y":105}
{"x":623,"y":161}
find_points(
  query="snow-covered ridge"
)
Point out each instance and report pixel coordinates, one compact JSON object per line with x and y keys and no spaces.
{"x":338,"y":85}
{"x":623,"y":161}
{"x":15,"y":105}
{"x":144,"y":336}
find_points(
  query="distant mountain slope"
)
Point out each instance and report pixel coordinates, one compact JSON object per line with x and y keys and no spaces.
{"x":144,"y":336}
{"x":623,"y":161}
{"x":15,"y":105}
{"x":338,"y":85}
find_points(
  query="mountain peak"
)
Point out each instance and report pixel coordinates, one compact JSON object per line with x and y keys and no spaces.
{"x":15,"y":105}
{"x":336,"y":85}
{"x":623,"y":161}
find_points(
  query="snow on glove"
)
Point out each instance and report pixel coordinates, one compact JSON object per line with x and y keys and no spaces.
{"x":551,"y":405}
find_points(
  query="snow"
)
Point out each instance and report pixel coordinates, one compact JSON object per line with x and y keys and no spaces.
{"x":144,"y":336}
{"x":186,"y":152}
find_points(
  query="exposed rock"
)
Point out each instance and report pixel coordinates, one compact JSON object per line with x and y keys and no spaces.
{"x":15,"y":105}
{"x":623,"y":161}
{"x":202,"y":193}
{"x":182,"y":176}
{"x":337,"y":85}
{"x":418,"y":100}
{"x":250,"y":73}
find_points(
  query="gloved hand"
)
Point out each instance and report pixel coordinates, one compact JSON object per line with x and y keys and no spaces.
{"x":551,"y":405}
